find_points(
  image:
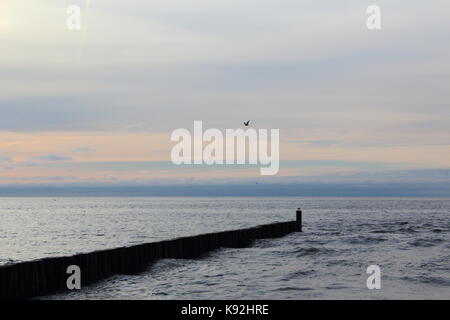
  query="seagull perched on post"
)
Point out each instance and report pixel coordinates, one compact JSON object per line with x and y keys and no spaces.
{"x":246,"y":123}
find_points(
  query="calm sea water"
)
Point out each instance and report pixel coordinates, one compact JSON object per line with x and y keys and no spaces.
{"x":407,"y":238}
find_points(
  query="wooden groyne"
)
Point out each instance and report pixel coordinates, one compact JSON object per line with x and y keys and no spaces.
{"x":45,"y":276}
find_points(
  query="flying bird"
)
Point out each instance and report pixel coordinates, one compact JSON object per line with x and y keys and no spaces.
{"x":246,"y":123}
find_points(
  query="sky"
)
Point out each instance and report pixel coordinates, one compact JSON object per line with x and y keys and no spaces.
{"x":97,"y":105}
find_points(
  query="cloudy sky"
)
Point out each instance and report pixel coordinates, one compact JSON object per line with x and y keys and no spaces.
{"x":98,"y":105}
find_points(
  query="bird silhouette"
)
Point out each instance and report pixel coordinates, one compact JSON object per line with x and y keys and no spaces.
{"x":246,"y":123}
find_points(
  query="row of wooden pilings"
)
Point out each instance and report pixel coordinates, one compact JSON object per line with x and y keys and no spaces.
{"x":45,"y":276}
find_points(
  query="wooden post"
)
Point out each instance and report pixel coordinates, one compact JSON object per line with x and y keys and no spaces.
{"x":299,"y":220}
{"x":30,"y":279}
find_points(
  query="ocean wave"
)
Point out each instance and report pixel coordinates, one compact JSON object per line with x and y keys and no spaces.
{"x":407,"y":230}
{"x":293,"y":289}
{"x":312,"y":251}
{"x":438,"y":230}
{"x":336,"y":287}
{"x":364,"y":240}
{"x":439,"y":281}
{"x":425,"y":242}
{"x":339,"y":262}
{"x":299,"y":274}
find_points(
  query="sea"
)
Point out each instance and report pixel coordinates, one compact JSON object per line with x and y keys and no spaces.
{"x":408,"y":239}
